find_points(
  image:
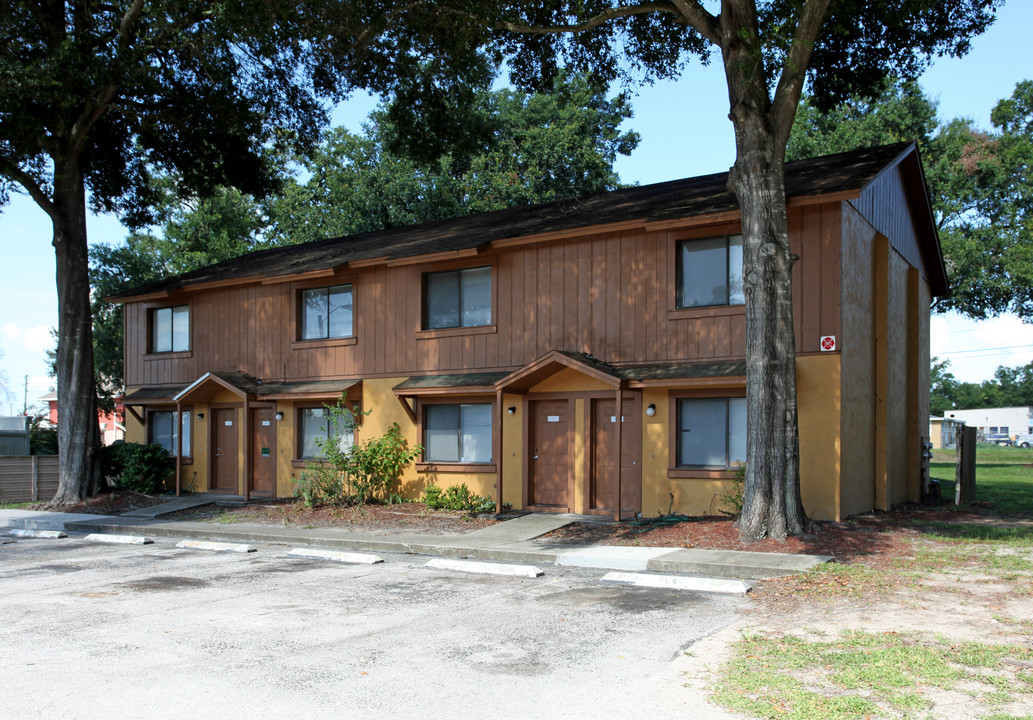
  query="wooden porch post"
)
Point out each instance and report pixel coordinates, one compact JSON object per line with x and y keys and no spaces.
{"x":247,"y":451}
{"x":497,"y":440}
{"x":620,"y":435}
{"x":179,"y":445}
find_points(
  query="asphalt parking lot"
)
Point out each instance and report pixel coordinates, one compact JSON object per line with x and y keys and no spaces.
{"x":91,"y":630}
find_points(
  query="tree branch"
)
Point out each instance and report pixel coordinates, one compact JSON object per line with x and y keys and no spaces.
{"x":794,"y":69}
{"x":95,"y":109}
{"x":23,"y":178}
{"x":590,"y":24}
{"x":697,"y":16}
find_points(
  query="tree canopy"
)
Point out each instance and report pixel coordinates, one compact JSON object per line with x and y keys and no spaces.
{"x":533,"y":148}
{"x":1009,"y":387}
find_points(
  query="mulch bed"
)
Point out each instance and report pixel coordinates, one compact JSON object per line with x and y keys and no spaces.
{"x":415,"y":517}
{"x":114,"y":502}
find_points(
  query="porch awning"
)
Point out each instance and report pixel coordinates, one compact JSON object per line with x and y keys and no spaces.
{"x":707,"y":374}
{"x":457,"y":384}
{"x":245,"y":386}
{"x":151,"y":396}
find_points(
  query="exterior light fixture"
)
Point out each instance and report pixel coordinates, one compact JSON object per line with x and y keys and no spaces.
{"x":200,"y":416}
{"x":279,"y":416}
{"x":651,"y":409}
{"x":512,"y":410}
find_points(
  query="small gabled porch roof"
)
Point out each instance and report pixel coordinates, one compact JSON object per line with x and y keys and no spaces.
{"x":522,"y":380}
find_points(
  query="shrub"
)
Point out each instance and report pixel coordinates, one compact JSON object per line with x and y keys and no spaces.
{"x":732,"y":496}
{"x":137,"y":467}
{"x":457,"y":497}
{"x":356,"y":474}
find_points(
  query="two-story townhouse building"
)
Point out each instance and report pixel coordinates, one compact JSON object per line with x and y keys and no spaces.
{"x":522,"y":348}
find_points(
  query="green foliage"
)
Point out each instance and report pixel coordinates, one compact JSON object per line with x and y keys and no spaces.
{"x":375,"y":466}
{"x":1009,"y":387}
{"x":350,"y":473}
{"x":42,"y":436}
{"x":457,"y":497}
{"x":731,"y":498}
{"x":142,"y":468}
{"x":519,"y":149}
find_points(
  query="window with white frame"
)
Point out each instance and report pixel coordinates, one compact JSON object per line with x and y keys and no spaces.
{"x":457,"y":298}
{"x":711,"y":432}
{"x":709,"y":272}
{"x":162,"y":430}
{"x":317,"y":427}
{"x":170,"y":329}
{"x":327,"y":313}
{"x":457,"y":433}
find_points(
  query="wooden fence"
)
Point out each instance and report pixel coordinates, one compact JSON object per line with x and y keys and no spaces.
{"x":26,"y":478}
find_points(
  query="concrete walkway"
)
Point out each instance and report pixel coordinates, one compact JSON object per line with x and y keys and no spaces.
{"x":510,"y":541}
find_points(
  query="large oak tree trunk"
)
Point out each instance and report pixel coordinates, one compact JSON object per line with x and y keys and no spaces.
{"x":78,"y":435}
{"x":771,"y":504}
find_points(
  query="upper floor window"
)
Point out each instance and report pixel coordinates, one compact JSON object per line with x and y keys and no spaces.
{"x":326,"y":313}
{"x":457,"y":298}
{"x":162,"y":430}
{"x":457,"y":433}
{"x":710,"y":272}
{"x":170,"y":329}
{"x":318,"y":427}
{"x":711,"y":432}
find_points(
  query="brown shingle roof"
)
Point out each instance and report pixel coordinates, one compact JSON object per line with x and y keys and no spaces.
{"x":671,"y":200}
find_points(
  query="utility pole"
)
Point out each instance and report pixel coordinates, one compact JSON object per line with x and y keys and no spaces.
{"x":25,"y":405}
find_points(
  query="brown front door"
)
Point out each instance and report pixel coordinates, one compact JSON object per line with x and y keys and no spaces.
{"x":602,"y":486}
{"x":549,"y":476}
{"x":263,"y":452}
{"x":224,"y":450}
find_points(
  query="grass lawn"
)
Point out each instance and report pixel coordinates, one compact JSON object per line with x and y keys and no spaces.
{"x":940,"y":632}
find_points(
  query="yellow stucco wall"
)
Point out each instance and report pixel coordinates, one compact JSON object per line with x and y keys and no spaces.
{"x":819,"y":407}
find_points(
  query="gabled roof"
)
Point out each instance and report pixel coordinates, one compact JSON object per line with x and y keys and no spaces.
{"x":659,"y":202}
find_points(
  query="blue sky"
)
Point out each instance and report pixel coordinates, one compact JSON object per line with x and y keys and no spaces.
{"x":685,"y":132}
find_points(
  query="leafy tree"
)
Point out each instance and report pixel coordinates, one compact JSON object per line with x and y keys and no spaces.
{"x":524,"y":149}
{"x":979,"y":181}
{"x":95,"y":95}
{"x":1009,"y":387}
{"x":767,"y":51}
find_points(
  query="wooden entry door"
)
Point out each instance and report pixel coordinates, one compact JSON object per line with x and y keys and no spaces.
{"x":224,"y":450}
{"x":549,"y":475}
{"x":263,"y":452}
{"x":602,"y":478}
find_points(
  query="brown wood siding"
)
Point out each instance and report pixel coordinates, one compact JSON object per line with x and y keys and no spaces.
{"x":16,"y":478}
{"x":607,"y":294}
{"x":884,"y":204}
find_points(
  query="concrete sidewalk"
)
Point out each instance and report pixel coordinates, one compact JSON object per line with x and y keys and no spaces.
{"x":510,"y":541}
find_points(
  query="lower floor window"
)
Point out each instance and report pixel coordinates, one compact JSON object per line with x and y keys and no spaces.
{"x":318,"y":427}
{"x":457,"y":433}
{"x":711,"y":432}
{"x":162,"y":430}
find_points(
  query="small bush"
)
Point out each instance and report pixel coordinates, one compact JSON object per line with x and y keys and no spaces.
{"x":732,"y":497}
{"x":457,"y":497}
{"x":136,"y":467}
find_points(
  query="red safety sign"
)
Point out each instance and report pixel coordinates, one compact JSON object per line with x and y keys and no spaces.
{"x":828,"y":342}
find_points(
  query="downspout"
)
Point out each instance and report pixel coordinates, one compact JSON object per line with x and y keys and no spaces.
{"x":499,"y":415}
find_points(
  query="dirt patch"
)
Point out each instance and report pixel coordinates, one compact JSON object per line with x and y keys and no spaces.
{"x":114,"y":502}
{"x":409,"y":517}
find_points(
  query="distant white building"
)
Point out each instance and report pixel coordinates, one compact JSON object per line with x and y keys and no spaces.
{"x":942,"y":432}
{"x":993,"y":423}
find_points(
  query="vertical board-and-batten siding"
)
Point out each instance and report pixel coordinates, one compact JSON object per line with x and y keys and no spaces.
{"x":884,"y":204}
{"x":608,"y":294}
